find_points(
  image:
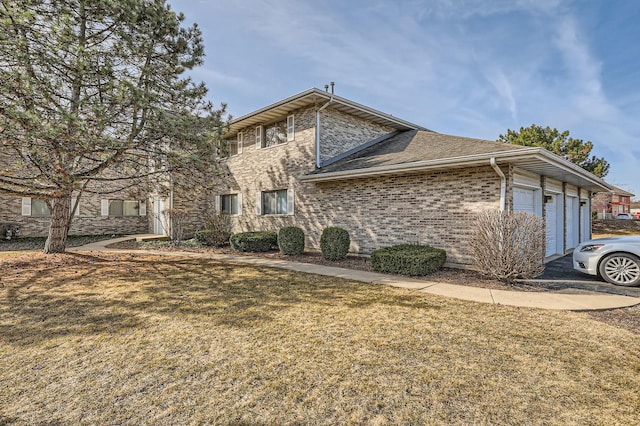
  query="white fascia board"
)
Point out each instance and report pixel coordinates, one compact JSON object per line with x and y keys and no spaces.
{"x":415,"y":166}
{"x":465,"y":161}
{"x":314,"y":94}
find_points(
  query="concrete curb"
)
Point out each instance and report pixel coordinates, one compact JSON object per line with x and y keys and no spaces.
{"x":525,"y":299}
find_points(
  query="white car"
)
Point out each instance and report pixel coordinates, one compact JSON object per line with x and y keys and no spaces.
{"x":616,"y":259}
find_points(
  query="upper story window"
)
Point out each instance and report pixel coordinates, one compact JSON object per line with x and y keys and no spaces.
{"x":231,"y":147}
{"x":275,"y":133}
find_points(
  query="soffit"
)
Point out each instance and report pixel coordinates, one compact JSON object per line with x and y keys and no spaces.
{"x":317,"y":98}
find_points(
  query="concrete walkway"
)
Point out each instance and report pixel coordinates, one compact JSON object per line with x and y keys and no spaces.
{"x":527,"y":299}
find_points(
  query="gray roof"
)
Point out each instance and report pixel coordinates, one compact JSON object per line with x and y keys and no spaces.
{"x":317,"y":97}
{"x":412,"y":146}
{"x":421,"y":150}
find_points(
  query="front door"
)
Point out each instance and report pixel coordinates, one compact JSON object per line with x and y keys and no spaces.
{"x":158,"y":207}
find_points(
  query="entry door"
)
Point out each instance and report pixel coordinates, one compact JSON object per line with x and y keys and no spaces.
{"x":158,"y":207}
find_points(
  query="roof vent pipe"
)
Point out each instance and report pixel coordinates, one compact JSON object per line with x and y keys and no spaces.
{"x":318,"y":162}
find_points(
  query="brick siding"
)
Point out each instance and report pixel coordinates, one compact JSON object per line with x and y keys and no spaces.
{"x":435,"y":208}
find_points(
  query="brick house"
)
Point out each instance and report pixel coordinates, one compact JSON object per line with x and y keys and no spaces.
{"x":610,"y":204}
{"x":121,"y":212}
{"x":315,"y":160}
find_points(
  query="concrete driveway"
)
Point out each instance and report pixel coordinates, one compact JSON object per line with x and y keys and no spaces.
{"x":560,"y":275}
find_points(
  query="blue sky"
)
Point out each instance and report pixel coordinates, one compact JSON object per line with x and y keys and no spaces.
{"x":464,"y":67}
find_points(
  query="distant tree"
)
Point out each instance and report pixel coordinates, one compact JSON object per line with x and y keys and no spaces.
{"x":575,"y":150}
{"x":93,"y":91}
{"x":600,"y":203}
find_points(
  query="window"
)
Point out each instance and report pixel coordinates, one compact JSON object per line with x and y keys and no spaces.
{"x":39,"y":208}
{"x":275,"y":202}
{"x":231,"y":147}
{"x":275,"y":133}
{"x":229,"y":204}
{"x":122,"y":208}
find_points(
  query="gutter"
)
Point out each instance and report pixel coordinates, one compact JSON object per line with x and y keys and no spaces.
{"x":503,"y":183}
{"x":530,"y":154}
{"x":318,"y":162}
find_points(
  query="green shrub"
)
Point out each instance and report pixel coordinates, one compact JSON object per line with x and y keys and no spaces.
{"x":291,"y":240}
{"x":216,"y":231}
{"x":334,"y":243}
{"x":254,"y":241}
{"x":408,"y":259}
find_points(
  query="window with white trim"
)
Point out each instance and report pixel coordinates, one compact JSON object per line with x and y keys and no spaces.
{"x":230,"y":204}
{"x":123,"y":208}
{"x":38,"y":207}
{"x":277,"y":202}
{"x":231,"y":147}
{"x":275,"y":133}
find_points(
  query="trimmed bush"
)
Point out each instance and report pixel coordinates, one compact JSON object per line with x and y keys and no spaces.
{"x":216,"y":231}
{"x":291,"y":240}
{"x":408,"y":259}
{"x":334,"y":243}
{"x":254,"y":241}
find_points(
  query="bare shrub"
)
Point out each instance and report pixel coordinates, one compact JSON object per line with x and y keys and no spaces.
{"x":174,"y":220}
{"x":216,"y":231}
{"x":508,"y":245}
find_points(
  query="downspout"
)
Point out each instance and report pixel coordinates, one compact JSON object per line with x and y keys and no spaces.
{"x":503,"y":184}
{"x":318,"y":162}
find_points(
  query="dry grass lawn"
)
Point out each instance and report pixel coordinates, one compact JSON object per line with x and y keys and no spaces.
{"x":138,"y":339}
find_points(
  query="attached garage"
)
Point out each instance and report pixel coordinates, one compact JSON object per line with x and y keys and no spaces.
{"x":527,"y":193}
{"x":524,"y":200}
{"x":572,"y":213}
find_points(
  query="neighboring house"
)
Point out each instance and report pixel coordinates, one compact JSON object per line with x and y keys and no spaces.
{"x":109,"y":213}
{"x":610,"y":204}
{"x":315,"y":160}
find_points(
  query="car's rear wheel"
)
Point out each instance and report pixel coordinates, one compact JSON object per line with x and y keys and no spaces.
{"x":621,"y":269}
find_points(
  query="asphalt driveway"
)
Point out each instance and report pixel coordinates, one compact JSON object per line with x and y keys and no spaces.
{"x":560,"y":275}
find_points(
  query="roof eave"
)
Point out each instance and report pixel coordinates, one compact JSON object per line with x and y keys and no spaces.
{"x":310,"y":97}
{"x":589,"y":181}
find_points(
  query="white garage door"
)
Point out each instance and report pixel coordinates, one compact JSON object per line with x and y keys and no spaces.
{"x":551,"y":223}
{"x":524,"y":200}
{"x":572,"y":221}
